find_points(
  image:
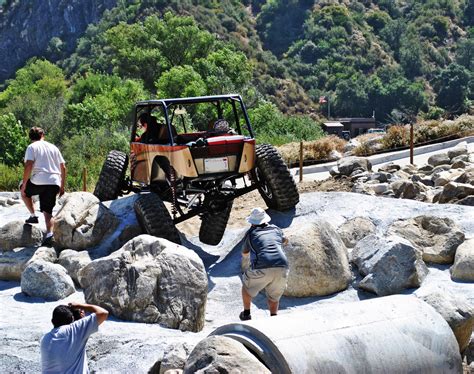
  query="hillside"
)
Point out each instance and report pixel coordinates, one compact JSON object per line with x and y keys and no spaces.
{"x":364,"y":56}
{"x":76,"y":68}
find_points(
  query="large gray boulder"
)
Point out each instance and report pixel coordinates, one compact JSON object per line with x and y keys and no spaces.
{"x":14,"y":262}
{"x":220,"y":354}
{"x":355,"y":229}
{"x":439,"y":159}
{"x":74,"y":262}
{"x":347,"y":165}
{"x":456,"y":310}
{"x":82,"y":222}
{"x":389,"y":265}
{"x":150,"y":280}
{"x":46,"y":280}
{"x":437,"y":238}
{"x":454,"y":191}
{"x":463,"y":267}
{"x":17,"y":234}
{"x":318,"y":263}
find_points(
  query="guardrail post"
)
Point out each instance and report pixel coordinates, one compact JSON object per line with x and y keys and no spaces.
{"x":301,"y":161}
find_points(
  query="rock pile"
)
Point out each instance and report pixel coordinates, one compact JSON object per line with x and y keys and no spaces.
{"x":447,"y":178}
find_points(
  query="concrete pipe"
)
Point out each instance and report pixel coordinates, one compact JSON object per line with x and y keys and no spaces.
{"x":393,"y":334}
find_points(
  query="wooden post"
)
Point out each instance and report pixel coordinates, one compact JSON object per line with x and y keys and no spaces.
{"x":411,"y":143}
{"x":84,"y":179}
{"x":301,"y":161}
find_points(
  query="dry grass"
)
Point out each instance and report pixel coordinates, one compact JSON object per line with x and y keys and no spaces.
{"x":315,"y":150}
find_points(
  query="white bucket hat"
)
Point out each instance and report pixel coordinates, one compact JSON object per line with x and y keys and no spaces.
{"x":258,"y":217}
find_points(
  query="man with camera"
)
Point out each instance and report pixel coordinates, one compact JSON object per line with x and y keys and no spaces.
{"x":63,"y":349}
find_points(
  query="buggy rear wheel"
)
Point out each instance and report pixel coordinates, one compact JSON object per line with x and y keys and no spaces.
{"x":154,"y":218}
{"x":276,"y":185}
{"x":112,"y":176}
{"x":214,"y":223}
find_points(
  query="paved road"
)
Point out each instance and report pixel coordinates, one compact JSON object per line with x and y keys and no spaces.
{"x":321,"y":172}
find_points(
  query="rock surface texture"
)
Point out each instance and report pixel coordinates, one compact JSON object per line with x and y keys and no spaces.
{"x":12,"y":263}
{"x":46,"y":280}
{"x":456,"y":311}
{"x":388,"y":264}
{"x":220,"y":354}
{"x":28,"y":27}
{"x":318,"y":262}
{"x":463,"y":267}
{"x":82,"y":222}
{"x":150,"y":280}
{"x":437,"y":238}
{"x":19,"y":234}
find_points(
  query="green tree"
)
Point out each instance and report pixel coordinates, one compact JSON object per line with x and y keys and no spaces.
{"x":99,"y":100}
{"x":13,"y":140}
{"x":180,"y":81}
{"x":36,"y":96}
{"x":452,"y":86}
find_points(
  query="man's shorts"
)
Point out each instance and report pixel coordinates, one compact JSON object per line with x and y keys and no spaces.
{"x":273,"y":280}
{"x":47,"y":195}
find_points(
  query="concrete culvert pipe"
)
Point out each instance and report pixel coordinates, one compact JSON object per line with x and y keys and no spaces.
{"x":393,"y":334}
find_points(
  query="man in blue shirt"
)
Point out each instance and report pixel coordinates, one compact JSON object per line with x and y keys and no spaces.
{"x":63,"y":349}
{"x":264,"y":264}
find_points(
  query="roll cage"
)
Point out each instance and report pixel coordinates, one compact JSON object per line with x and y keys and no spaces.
{"x":168,"y":108}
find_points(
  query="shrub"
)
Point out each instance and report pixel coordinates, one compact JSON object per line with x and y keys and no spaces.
{"x":397,"y":136}
{"x":314,"y":150}
{"x":10,"y":177}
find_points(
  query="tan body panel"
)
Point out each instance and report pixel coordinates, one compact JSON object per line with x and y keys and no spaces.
{"x":142,"y":156}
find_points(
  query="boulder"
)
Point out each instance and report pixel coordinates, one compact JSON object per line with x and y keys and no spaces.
{"x":466,"y":177}
{"x":437,"y":238}
{"x":439,"y":159}
{"x":347,"y":165}
{"x":406,"y":189}
{"x":18,"y":234}
{"x":173,"y":361}
{"x":389,"y":168}
{"x":46,"y":280}
{"x":220,"y":354}
{"x":468,"y":200}
{"x":149,"y":280}
{"x":74,"y":262}
{"x":463,"y":267}
{"x":426,"y":169}
{"x":459,"y":150}
{"x":355,"y":229}
{"x":378,"y":188}
{"x":453,"y":192}
{"x":14,"y":262}
{"x":318,"y":263}
{"x":381,"y":177}
{"x":82,"y":222}
{"x":389,"y":265}
{"x":457,"y":311}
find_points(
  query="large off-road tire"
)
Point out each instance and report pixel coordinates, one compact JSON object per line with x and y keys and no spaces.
{"x":112,"y":176}
{"x":277,"y":186}
{"x":154,"y":218}
{"x":213,"y":225}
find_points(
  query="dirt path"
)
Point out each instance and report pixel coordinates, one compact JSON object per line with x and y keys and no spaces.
{"x":244,"y":204}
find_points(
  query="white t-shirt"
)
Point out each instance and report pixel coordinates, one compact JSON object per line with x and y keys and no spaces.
{"x":47,"y":160}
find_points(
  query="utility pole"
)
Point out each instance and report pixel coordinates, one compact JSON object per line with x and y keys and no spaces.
{"x":411,"y":142}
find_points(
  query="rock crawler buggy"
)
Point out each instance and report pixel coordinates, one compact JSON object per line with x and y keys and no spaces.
{"x":197,"y":164}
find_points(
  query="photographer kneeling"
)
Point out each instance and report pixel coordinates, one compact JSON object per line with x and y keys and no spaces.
{"x":63,"y":349}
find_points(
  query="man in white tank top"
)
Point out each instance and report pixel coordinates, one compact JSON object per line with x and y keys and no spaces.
{"x":44,"y":175}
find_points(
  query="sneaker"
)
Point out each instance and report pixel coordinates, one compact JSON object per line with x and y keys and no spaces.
{"x":32,"y":219}
{"x":244,"y":317}
{"x":48,"y":242}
